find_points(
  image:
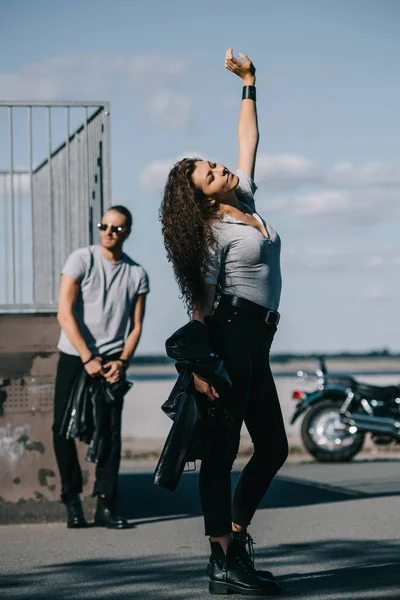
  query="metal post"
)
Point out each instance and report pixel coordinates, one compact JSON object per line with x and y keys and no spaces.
{"x":32,"y":201}
{"x":6,"y":237}
{"x":82,"y":191}
{"x":58,"y":171}
{"x":87,"y":202}
{"x":67,"y":172}
{"x":96,"y":195}
{"x":106,"y":156}
{"x":21,"y":233}
{"x":13,"y":236}
{"x":51,"y":206}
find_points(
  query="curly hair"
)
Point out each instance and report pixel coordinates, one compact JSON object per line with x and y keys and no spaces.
{"x":187,"y":219}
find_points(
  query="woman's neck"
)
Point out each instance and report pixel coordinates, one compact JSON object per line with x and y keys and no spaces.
{"x":229,"y":204}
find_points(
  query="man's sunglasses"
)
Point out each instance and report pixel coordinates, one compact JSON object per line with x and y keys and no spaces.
{"x":114,"y":229}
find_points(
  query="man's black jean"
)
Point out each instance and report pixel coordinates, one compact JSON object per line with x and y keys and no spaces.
{"x":243,"y":342}
{"x":68,"y":369}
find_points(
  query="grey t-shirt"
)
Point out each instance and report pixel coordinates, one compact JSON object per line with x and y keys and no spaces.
{"x":244,"y":262}
{"x":106,"y":299}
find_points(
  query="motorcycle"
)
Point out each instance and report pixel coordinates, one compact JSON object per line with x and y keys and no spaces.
{"x":341,"y":411}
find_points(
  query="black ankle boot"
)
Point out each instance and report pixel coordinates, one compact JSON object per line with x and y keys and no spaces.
{"x":233,"y":573}
{"x":105,"y":516}
{"x":75,"y":516}
{"x":245,"y":540}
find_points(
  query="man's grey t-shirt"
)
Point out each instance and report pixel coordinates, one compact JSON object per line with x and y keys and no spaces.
{"x":244,"y":262}
{"x":106,"y":299}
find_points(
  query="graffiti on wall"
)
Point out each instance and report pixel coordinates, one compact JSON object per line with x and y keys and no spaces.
{"x":14,"y":442}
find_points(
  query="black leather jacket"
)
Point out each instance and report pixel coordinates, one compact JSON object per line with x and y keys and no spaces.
{"x":86,"y":415}
{"x":194,"y":415}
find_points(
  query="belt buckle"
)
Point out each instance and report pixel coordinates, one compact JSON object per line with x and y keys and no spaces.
{"x":274,"y":314}
{"x":190,"y":466}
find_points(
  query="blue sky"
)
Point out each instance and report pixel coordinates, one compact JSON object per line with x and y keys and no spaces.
{"x":328,"y":169}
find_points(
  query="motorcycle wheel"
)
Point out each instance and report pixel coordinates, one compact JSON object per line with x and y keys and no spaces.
{"x":326,"y":437}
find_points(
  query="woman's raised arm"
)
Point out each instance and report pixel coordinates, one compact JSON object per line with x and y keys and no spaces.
{"x":248,"y":134}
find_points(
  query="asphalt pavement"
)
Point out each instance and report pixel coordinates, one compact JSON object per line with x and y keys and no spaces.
{"x":327,"y":532}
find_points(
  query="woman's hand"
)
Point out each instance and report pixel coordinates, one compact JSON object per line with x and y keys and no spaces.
{"x":242,"y":68}
{"x":203,"y":387}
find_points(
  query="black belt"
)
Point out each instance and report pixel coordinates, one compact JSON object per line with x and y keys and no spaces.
{"x":271,"y":317}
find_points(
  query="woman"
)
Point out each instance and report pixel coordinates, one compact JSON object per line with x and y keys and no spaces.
{"x":223,"y":252}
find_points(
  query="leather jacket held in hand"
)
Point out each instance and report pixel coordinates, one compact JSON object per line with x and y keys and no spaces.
{"x":194,"y":415}
{"x":86,"y":414}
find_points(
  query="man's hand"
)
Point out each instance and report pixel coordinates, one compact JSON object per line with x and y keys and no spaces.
{"x":203,"y":387}
{"x":94,"y":368}
{"x":242,"y":68}
{"x":113,"y":371}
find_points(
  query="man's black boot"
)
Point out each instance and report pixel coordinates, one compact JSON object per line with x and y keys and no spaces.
{"x":233,"y":573}
{"x":245,"y":540}
{"x":105,"y":516}
{"x":75,"y":516}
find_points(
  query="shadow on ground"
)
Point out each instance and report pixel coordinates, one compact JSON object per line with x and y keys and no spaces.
{"x":139,"y":498}
{"x":357,"y":569}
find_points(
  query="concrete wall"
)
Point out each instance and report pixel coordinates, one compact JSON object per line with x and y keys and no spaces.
{"x":28,"y":360}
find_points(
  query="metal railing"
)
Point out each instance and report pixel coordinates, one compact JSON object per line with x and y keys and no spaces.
{"x":49,"y":206}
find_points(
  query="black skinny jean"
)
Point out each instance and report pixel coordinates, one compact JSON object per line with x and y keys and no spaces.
{"x":107,"y":470}
{"x":243,"y":342}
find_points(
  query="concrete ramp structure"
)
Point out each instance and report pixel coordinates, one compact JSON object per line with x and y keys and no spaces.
{"x":54,"y":187}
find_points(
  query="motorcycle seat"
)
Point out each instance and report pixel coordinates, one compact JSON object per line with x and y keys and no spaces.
{"x":375,"y":392}
{"x":343,"y":381}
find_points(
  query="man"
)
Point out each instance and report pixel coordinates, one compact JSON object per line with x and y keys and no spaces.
{"x":101,"y":310}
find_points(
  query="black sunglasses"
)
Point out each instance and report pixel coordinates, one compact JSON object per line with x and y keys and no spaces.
{"x":114,"y":229}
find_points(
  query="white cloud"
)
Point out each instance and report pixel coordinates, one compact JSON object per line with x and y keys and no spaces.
{"x":388,"y":259}
{"x":65,"y":76}
{"x":317,"y":261}
{"x":326,"y":201}
{"x":283,"y":171}
{"x":171,"y":107}
{"x":348,"y":194}
{"x":373,"y":294}
{"x":369,"y":175}
{"x":154,"y":175}
{"x":356,"y":261}
{"x":377,"y":293}
{"x":92,"y":76}
{"x":353,"y":207}
{"x":287,"y":171}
